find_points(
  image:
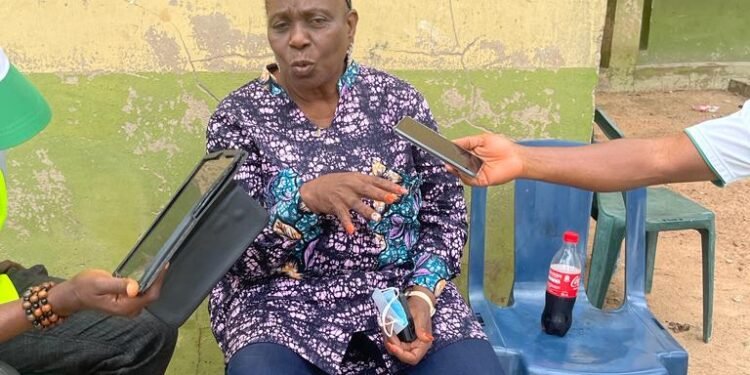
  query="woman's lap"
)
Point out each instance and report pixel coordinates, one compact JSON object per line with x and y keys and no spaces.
{"x":469,"y":356}
{"x":269,"y":359}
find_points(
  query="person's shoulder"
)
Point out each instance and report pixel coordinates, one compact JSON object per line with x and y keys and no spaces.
{"x":240,"y":96}
{"x":381,"y":78}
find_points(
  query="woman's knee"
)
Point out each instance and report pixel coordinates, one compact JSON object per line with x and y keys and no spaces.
{"x":469,"y":356}
{"x":267,"y":359}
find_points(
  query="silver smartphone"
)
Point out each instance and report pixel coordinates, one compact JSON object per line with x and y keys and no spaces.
{"x":434,"y":143}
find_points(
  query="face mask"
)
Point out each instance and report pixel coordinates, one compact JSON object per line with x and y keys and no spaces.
{"x":391,"y":317}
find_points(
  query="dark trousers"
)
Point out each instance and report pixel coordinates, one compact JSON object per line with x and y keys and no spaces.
{"x":471,"y":356}
{"x":90,"y":342}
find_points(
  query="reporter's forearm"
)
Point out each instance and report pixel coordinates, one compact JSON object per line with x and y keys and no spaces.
{"x":617,"y":165}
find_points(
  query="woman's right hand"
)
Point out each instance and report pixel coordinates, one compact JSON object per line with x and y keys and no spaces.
{"x":99,"y":290}
{"x":337,"y":193}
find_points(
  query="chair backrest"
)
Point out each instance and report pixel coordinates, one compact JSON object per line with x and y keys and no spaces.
{"x":543,"y":212}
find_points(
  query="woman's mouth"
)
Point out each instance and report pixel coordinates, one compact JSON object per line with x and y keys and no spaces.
{"x":302,"y":67}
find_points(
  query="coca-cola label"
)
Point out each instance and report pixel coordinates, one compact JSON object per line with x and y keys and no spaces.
{"x":563,"y":281}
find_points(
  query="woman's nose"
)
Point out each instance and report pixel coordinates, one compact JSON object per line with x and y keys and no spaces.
{"x":298,"y":37}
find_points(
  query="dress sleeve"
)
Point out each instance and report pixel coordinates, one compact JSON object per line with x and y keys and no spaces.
{"x":442,"y":215}
{"x":291,"y":226}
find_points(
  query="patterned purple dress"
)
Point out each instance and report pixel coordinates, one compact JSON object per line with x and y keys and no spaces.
{"x":305,"y":283}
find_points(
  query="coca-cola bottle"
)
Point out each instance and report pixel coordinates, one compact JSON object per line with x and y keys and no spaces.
{"x":562,"y":287}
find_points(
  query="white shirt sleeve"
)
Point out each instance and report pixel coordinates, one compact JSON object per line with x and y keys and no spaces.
{"x":724,"y":144}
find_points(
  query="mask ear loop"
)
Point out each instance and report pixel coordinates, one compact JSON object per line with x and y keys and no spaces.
{"x":388,"y":326}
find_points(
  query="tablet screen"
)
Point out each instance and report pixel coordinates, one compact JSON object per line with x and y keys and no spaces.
{"x":167,"y":228}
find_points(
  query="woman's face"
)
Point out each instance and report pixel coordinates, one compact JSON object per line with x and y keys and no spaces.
{"x":309,"y":39}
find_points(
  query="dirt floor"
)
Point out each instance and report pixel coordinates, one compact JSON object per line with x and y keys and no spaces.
{"x":677,"y":292}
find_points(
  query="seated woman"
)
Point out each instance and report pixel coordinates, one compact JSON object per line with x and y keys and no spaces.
{"x":353,"y":208}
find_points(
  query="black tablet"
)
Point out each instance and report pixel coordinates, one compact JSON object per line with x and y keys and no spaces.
{"x":174,"y":224}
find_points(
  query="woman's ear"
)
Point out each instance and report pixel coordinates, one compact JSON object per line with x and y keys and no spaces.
{"x":352,"y":18}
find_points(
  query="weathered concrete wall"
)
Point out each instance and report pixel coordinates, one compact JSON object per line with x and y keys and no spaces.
{"x":132,"y":83}
{"x":211,"y":35}
{"x":695,"y":31}
{"x":686,"y":45}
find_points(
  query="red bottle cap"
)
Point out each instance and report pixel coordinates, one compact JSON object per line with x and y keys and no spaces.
{"x":570,"y":237}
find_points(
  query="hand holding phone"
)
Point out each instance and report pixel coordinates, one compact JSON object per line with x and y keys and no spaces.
{"x":408,"y":334}
{"x":439,"y":146}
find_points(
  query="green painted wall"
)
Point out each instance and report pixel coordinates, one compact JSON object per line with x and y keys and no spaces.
{"x":685,"y":31}
{"x":119,"y":145}
{"x":131,"y":100}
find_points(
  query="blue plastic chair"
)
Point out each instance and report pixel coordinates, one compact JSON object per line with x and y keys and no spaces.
{"x":628,"y":340}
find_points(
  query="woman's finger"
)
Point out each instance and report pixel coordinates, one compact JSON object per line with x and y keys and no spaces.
{"x":345,"y":218}
{"x":452,"y":170}
{"x":419,"y":349}
{"x":470,"y":143}
{"x":366,"y":211}
{"x":384,"y":184}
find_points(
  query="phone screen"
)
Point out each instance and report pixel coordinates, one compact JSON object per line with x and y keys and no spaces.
{"x":164,"y":232}
{"x":436,"y":144}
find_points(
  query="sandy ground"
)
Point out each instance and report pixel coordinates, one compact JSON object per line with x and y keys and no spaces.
{"x":677,"y":293}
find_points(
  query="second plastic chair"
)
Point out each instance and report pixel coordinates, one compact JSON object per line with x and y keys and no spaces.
{"x":667,"y":211}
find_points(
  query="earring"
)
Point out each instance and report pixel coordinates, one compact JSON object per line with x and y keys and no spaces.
{"x":350,"y":50}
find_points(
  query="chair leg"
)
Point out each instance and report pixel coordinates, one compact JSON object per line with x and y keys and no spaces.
{"x":651,"y":239}
{"x":708,"y":240}
{"x":607,"y":241}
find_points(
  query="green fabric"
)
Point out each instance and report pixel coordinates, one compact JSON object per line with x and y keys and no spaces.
{"x":23,"y":110}
{"x":3,"y":200}
{"x":7,"y":290}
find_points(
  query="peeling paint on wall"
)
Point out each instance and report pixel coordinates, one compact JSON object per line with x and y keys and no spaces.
{"x":131,"y":100}
{"x":210,"y":35}
{"x":165,"y":48}
{"x":40,"y":195}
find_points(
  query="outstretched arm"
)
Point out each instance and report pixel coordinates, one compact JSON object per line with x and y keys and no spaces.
{"x":89,"y":290}
{"x":612,"y":166}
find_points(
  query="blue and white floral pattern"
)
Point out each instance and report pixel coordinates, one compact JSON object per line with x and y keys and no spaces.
{"x":315,"y":307}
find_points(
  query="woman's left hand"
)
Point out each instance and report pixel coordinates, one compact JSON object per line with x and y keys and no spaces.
{"x":413,"y":352}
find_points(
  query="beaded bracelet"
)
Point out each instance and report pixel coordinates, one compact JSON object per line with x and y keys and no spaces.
{"x":37,"y":308}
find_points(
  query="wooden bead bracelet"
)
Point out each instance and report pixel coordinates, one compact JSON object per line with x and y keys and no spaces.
{"x":37,"y":308}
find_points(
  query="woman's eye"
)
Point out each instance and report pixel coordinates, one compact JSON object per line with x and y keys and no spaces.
{"x":318,"y":21}
{"x":279,"y":26}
